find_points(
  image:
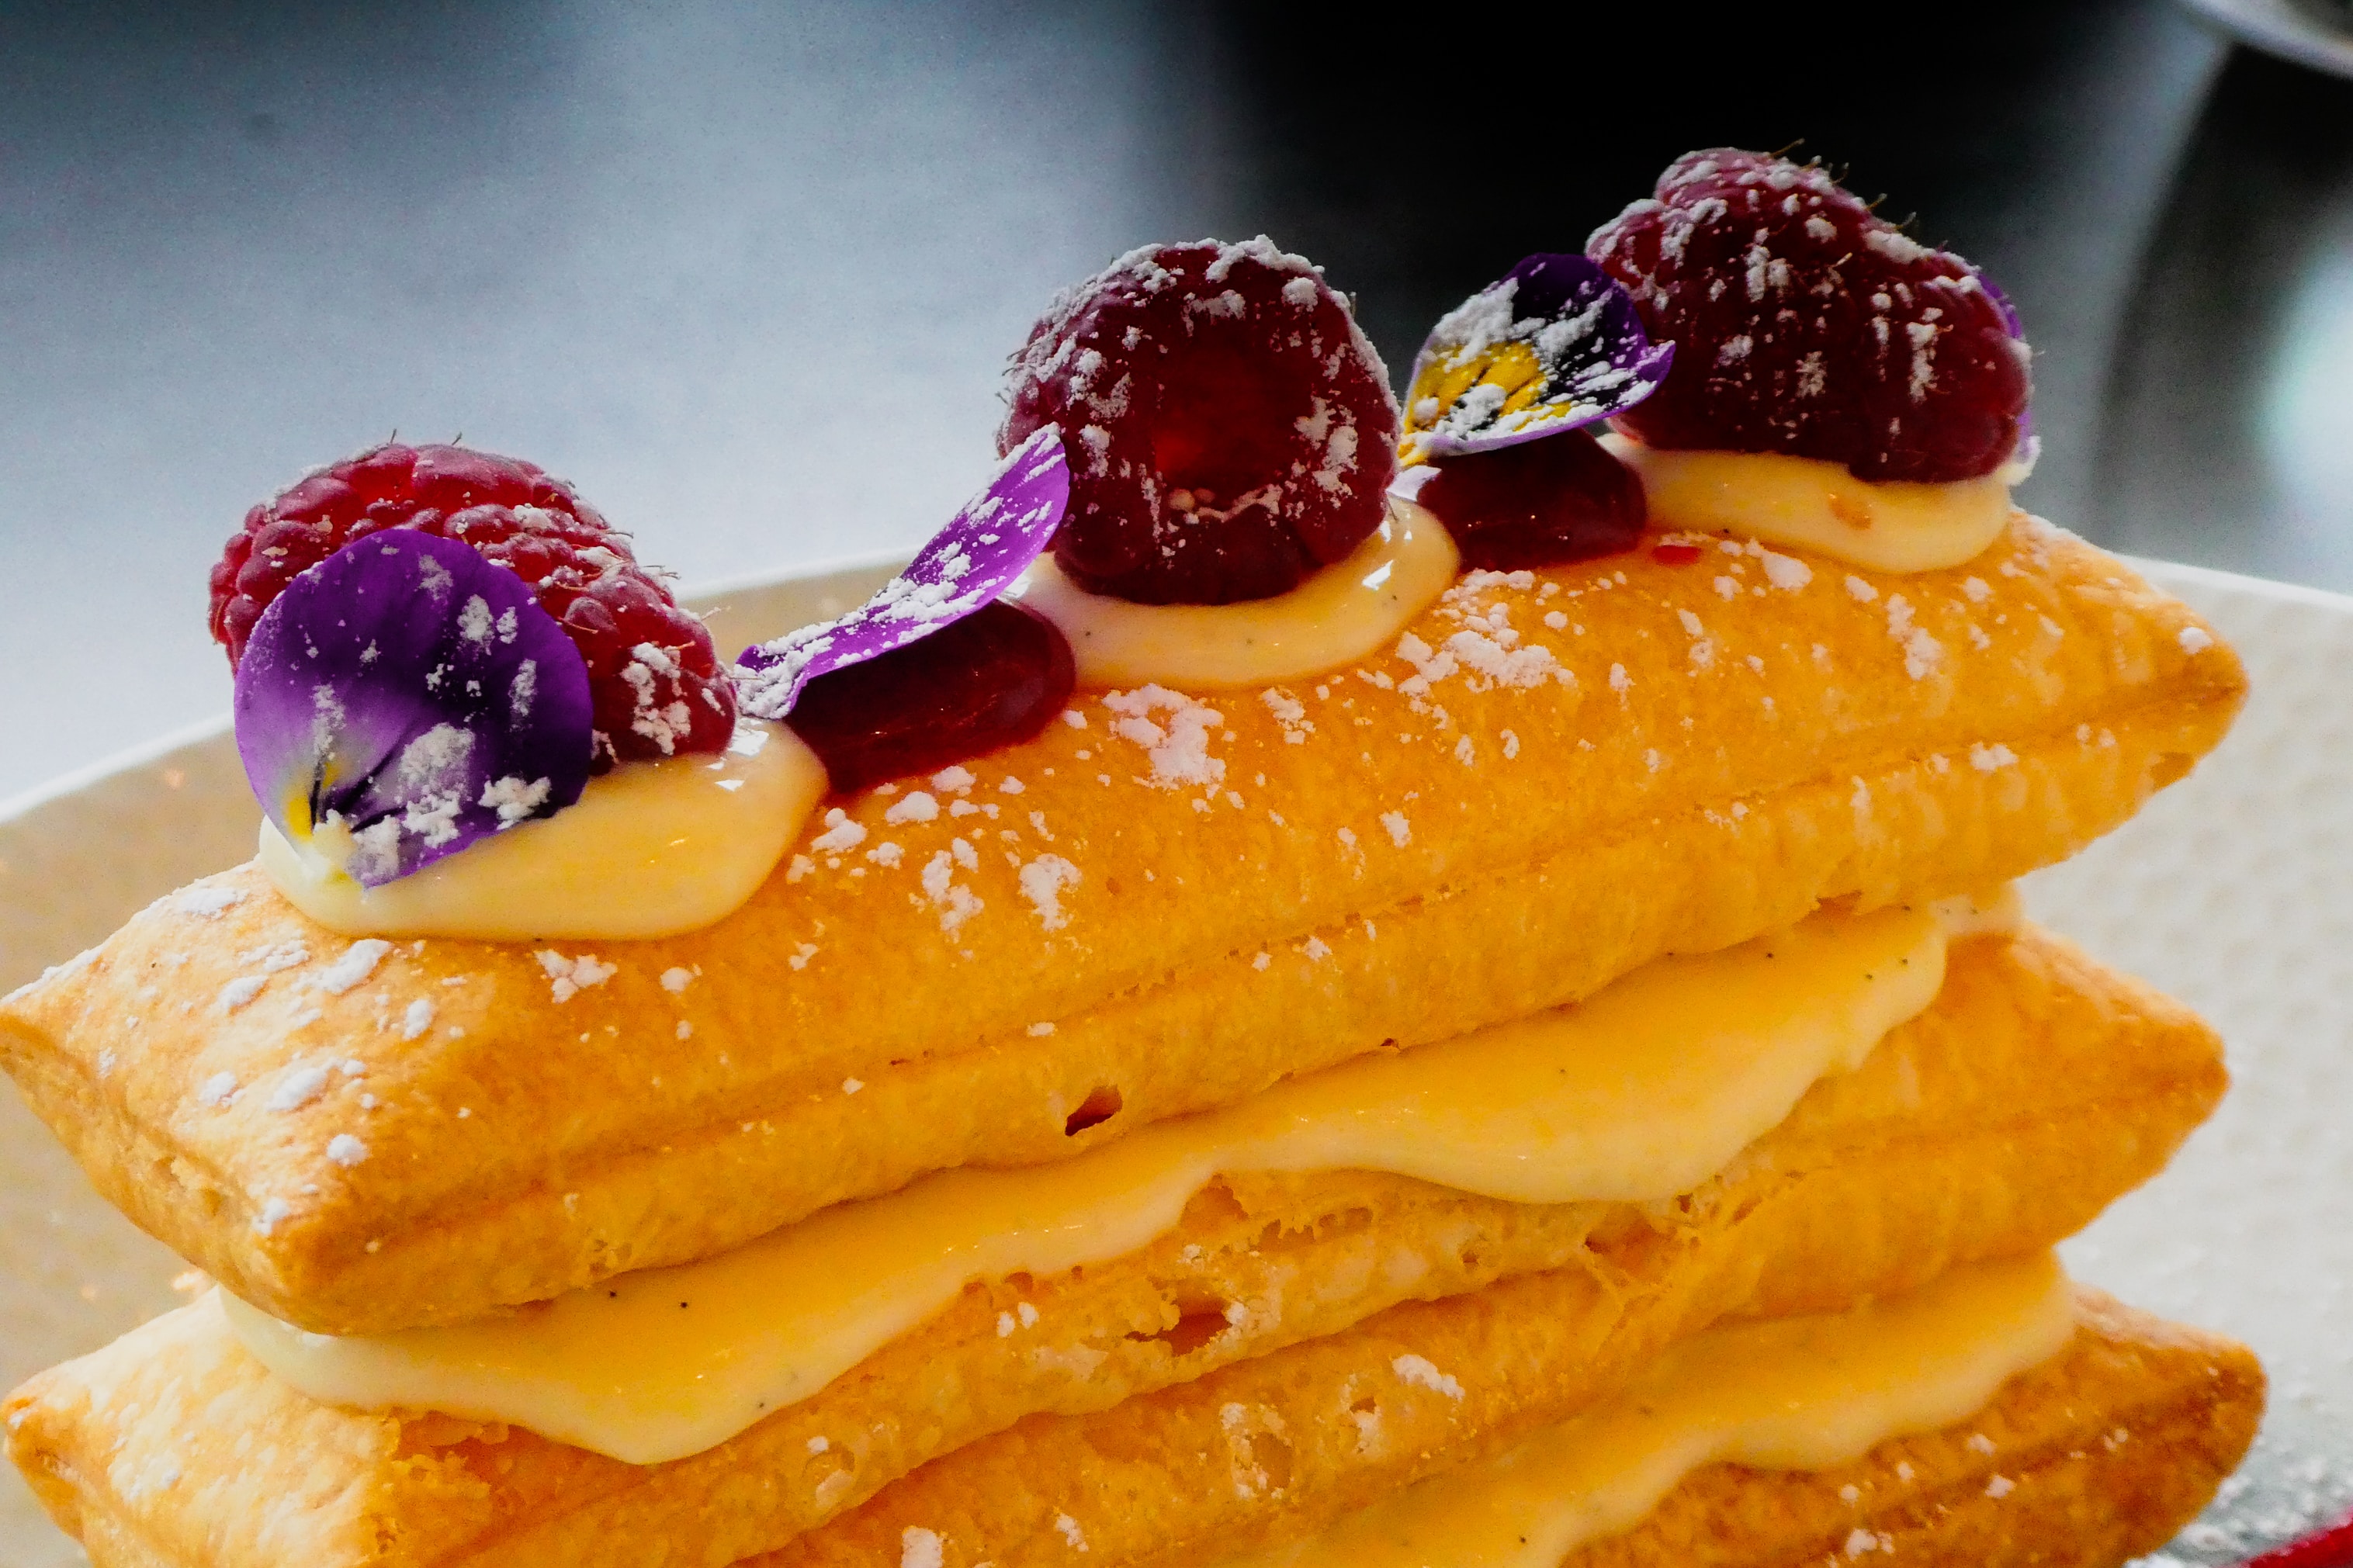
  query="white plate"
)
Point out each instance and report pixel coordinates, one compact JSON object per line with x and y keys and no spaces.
{"x":2235,"y":890}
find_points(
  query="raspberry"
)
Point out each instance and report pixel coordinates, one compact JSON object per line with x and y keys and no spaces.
{"x":652,"y":672}
{"x":992,"y":678}
{"x":1803,"y":324}
{"x":1230,"y":428}
{"x":1540,"y":503}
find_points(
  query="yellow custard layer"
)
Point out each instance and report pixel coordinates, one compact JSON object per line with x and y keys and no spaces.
{"x":1795,"y":1394}
{"x":1817,"y":506}
{"x":1339,"y":616}
{"x":1641,"y":1092}
{"x":649,"y":849}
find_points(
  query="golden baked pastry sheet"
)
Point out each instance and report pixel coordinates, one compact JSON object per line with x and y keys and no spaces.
{"x":2108,"y":1450}
{"x":2034,"y":1090}
{"x":1689,"y":757}
{"x":2097,"y":1457}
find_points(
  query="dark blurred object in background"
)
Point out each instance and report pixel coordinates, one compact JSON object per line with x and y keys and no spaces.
{"x":748,"y":273}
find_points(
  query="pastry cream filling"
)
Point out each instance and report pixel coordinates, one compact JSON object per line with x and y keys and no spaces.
{"x":1794,"y":1394}
{"x":1340,"y":615}
{"x":1813,"y":505}
{"x":649,"y":849}
{"x":1643,"y":1091}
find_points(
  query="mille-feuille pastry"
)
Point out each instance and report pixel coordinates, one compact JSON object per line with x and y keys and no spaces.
{"x":1248,"y":783}
{"x":1536,"y":784}
{"x":2031,"y":1091}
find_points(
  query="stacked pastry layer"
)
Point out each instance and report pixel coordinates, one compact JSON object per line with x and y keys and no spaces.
{"x":1091,"y":947}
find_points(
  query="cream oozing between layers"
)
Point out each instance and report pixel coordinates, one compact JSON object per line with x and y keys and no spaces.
{"x":1641,"y":1092}
{"x":649,"y":849}
{"x":1813,"y":505}
{"x":1340,"y":615}
{"x":1793,"y":1394}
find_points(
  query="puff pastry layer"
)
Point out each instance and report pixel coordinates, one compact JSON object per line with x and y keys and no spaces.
{"x":1569,"y":776}
{"x":2109,"y":1448}
{"x":2035,"y":1089}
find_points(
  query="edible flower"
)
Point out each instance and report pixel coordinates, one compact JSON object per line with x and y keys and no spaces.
{"x":965,"y":568}
{"x":1553,"y":345}
{"x":405,"y":698}
{"x":2022,"y":458}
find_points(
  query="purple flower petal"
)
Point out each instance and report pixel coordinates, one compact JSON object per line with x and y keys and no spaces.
{"x":1556,"y":317}
{"x":2028,"y":447}
{"x":1995,"y":292}
{"x":404,"y":698}
{"x":968,"y":564}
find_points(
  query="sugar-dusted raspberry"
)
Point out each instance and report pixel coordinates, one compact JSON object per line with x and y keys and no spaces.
{"x":990,"y":679}
{"x":652,"y":670}
{"x":1804,"y":324}
{"x":1230,"y":428}
{"x":1540,"y":503}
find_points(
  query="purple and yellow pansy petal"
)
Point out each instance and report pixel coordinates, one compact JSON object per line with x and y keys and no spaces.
{"x":404,"y":698}
{"x":1553,"y":345}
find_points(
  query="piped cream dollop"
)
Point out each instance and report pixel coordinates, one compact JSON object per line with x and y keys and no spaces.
{"x":1794,"y":1394}
{"x":1643,"y":1091}
{"x":1343,"y":612}
{"x":1818,"y":506}
{"x":649,"y":849}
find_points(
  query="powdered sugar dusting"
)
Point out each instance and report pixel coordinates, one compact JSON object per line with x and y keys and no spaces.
{"x":955,"y":902}
{"x":240,"y":991}
{"x":1290,"y":713}
{"x":917,"y":806}
{"x":298,"y":1087}
{"x":358,"y":962}
{"x":1922,"y":653}
{"x":207,"y":901}
{"x":1042,"y":882}
{"x":840,"y":834}
{"x":1421,"y":1372}
{"x":570,"y":977}
{"x":1785,"y":572}
{"x":1174,"y":731}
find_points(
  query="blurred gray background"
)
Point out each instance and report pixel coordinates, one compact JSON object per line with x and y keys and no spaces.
{"x":748,"y":273}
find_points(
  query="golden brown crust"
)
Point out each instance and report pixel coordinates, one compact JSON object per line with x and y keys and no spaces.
{"x":2107,"y":1450}
{"x":2098,"y":1456}
{"x":1669,"y":796}
{"x":2036,"y":1088}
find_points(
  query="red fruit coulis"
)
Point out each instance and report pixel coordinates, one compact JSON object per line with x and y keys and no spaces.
{"x":1805,"y":325}
{"x":991,"y":679}
{"x":653,"y":672}
{"x":2330,"y":1548}
{"x":1230,"y":428}
{"x":1541,"y":503}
